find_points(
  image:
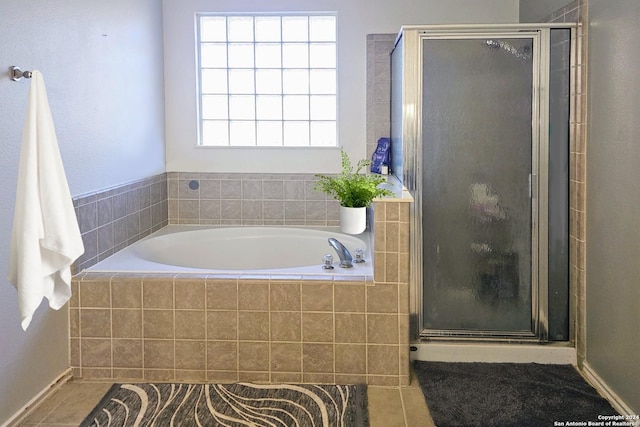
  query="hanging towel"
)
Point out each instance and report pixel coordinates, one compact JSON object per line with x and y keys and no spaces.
{"x":46,"y":238}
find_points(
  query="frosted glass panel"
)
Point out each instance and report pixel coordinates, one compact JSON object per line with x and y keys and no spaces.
{"x":213,"y":29}
{"x":269,"y":107}
{"x":323,"y":134}
{"x":241,"y":81}
{"x":296,"y":133}
{"x":240,"y":55}
{"x":240,"y":29}
{"x":322,"y":81}
{"x":213,"y":55}
{"x":322,"y":28}
{"x":296,"y":107}
{"x":214,"y":81}
{"x":267,"y":28}
{"x":295,"y":28}
{"x":477,"y":139}
{"x":322,"y":55}
{"x":268,"y":55}
{"x":242,"y":107}
{"x":269,"y":81}
{"x":295,"y":81}
{"x":295,"y":55}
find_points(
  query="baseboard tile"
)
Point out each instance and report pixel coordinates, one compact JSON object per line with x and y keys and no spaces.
{"x":27,"y":409}
{"x":601,"y":386}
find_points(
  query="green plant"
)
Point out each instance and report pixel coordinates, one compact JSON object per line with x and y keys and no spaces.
{"x":350,"y":187}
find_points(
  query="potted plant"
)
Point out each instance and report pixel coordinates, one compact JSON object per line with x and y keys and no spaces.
{"x":354,"y":190}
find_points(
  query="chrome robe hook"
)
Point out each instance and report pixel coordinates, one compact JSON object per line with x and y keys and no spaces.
{"x":17,"y":74}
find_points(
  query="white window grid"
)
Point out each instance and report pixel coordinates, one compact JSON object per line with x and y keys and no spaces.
{"x":267,"y":80}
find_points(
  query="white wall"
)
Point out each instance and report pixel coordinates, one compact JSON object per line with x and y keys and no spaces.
{"x":613,"y":205}
{"x":356,"y":19}
{"x":102,"y":65}
{"x":537,"y":10}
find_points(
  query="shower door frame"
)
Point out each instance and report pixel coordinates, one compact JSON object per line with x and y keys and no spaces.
{"x":412,"y":73}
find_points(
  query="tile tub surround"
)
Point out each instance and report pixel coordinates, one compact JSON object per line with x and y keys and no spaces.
{"x":248,"y":199}
{"x":329,"y":329}
{"x":114,"y":218}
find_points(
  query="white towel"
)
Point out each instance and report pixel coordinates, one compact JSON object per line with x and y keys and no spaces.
{"x":46,"y":238}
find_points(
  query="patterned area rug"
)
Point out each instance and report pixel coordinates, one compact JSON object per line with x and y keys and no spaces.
{"x":508,"y":394}
{"x":231,"y":405}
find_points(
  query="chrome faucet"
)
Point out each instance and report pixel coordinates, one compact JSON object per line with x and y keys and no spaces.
{"x":343,"y":253}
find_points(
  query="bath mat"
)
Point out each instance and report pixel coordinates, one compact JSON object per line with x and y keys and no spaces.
{"x":239,"y":404}
{"x":508,"y":394}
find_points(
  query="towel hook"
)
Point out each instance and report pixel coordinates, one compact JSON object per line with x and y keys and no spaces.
{"x":17,"y":74}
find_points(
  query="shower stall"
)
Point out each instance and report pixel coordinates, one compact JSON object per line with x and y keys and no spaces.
{"x":480,"y":137}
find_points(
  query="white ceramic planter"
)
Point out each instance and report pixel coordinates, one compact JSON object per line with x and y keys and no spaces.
{"x":353,"y":220}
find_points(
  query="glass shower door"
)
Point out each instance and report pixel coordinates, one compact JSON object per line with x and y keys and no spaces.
{"x":477,"y":204}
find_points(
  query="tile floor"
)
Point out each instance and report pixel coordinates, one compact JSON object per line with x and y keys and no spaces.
{"x":388,"y":406}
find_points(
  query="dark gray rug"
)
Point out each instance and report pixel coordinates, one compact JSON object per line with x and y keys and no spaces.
{"x":231,"y":405}
{"x":508,"y":394}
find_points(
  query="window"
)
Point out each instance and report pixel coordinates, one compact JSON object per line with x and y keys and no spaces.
{"x":267,"y":80}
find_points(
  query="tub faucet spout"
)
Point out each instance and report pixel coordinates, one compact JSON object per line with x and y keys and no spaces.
{"x":343,"y":253}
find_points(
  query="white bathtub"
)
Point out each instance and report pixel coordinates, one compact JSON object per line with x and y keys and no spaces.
{"x":237,"y":250}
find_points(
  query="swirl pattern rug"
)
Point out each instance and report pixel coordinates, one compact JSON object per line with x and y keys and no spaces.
{"x":233,"y":405}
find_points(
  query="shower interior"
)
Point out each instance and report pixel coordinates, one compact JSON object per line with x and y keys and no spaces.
{"x":480,"y":137}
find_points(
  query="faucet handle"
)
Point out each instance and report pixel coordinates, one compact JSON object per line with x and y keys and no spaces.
{"x":359,"y":256}
{"x":327,"y":262}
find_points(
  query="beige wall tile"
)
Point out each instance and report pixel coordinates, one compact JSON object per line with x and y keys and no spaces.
{"x":317,"y":296}
{"x":157,"y":293}
{"x":253,"y":325}
{"x":158,"y":324}
{"x":222,"y":355}
{"x":317,"y":358}
{"x":127,"y":353}
{"x":222,"y":325}
{"x":317,"y":327}
{"x":159,"y":354}
{"x":222,"y":376}
{"x":189,"y":294}
{"x":350,"y":297}
{"x":95,"y":352}
{"x":382,"y":328}
{"x":95,"y":294}
{"x":286,"y":357}
{"x":285,"y":378}
{"x":286,"y":326}
{"x":253,"y":356}
{"x":190,"y":355}
{"x":126,"y":293}
{"x":127,"y":323}
{"x":189,"y":376}
{"x":382,"y":298}
{"x":190,"y":324}
{"x":222,"y":294}
{"x":95,"y":323}
{"x":253,"y":295}
{"x":285,"y":296}
{"x":128,"y":374}
{"x":74,"y":322}
{"x":382,"y":359}
{"x":318,"y":378}
{"x":159,"y":374}
{"x":350,"y":328}
{"x":351,"y":359}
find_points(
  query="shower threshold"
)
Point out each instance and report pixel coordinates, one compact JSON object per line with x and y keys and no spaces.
{"x":495,"y":352}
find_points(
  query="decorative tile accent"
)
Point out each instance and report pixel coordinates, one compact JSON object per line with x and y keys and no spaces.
{"x":248,"y":199}
{"x":114,"y":218}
